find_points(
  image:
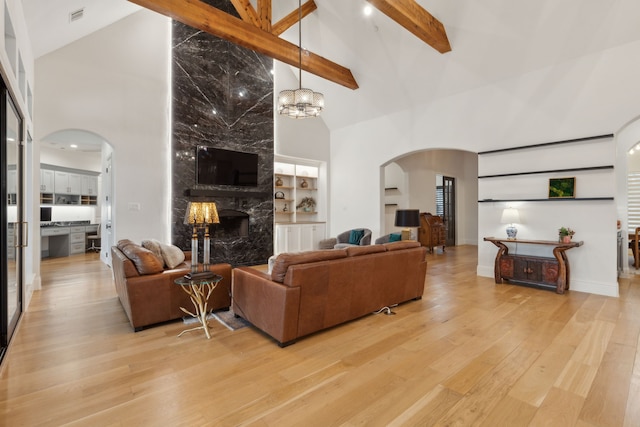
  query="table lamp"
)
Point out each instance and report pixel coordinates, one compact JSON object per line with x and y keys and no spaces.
{"x":407,"y":218}
{"x":195,"y":217}
{"x":210,"y":216}
{"x":201,"y":214}
{"x":511,"y":216}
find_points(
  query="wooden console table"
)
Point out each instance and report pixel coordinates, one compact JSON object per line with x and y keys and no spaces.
{"x":533,"y":270}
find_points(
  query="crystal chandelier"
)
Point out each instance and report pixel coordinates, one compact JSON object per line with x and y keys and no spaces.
{"x":300,"y":103}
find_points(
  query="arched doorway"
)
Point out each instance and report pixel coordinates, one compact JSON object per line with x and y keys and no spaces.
{"x":85,"y":154}
{"x":412,"y":180}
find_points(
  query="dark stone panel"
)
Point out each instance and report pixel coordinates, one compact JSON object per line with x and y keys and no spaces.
{"x":223,"y":98}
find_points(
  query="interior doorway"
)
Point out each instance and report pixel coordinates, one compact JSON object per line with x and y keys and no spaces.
{"x":446,"y":206}
{"x":13,"y":232}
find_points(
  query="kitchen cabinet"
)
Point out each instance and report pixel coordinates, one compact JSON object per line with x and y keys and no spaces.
{"x":47,"y":179}
{"x":77,"y":239}
{"x":68,"y":183}
{"x":89,"y":185}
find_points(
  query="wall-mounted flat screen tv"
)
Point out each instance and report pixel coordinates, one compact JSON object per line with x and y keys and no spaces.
{"x":216,"y":166}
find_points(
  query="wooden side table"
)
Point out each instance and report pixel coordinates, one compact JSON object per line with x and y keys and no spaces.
{"x":533,"y":270}
{"x":199,"y":290}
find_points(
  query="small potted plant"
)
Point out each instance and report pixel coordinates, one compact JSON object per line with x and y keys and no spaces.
{"x":565,"y":234}
{"x":307,"y":204}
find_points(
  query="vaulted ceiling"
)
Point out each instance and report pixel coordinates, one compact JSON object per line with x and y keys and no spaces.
{"x":491,"y":41}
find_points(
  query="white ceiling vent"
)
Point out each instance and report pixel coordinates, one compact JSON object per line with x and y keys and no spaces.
{"x":76,"y":15}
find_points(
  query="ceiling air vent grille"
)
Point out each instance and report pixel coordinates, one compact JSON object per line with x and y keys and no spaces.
{"x":76,"y":15}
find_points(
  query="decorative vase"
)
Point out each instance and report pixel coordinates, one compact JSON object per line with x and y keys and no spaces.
{"x":285,"y":209}
{"x":566,"y":239}
{"x":304,"y":183}
{"x":279,"y":182}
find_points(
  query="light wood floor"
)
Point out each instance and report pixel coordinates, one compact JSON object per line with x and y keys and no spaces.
{"x":469,"y":353}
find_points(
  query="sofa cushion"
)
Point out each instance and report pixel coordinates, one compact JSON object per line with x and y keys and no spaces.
{"x":355,"y":236}
{"x":172,"y":255}
{"x":395,"y":237}
{"x":364,"y":250}
{"x":146,"y":262}
{"x":154,"y":246}
{"x":283,"y":261}
{"x":404,"y":244}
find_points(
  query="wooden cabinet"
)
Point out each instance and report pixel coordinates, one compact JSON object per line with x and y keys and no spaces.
{"x":545,"y":272}
{"x":530,"y":270}
{"x":432,"y":232}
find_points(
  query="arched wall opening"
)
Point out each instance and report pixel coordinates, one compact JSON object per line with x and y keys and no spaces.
{"x":82,"y":150}
{"x":409,"y":182}
{"x":626,"y":138}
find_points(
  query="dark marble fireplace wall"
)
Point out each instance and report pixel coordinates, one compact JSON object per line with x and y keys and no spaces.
{"x":222,"y":97}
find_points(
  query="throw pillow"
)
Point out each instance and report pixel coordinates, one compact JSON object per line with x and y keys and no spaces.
{"x":145,"y":261}
{"x":395,"y":237}
{"x":172,"y":255}
{"x":355,"y":236}
{"x":154,"y":246}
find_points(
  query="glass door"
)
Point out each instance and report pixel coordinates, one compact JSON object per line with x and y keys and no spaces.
{"x":13,"y":232}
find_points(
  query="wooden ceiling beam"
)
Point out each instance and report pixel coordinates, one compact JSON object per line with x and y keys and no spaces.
{"x":417,"y":20}
{"x":264,"y":8}
{"x":207,"y":18}
{"x":246,"y":12}
{"x":290,"y":20}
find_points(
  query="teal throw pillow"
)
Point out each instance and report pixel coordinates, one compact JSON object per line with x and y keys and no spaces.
{"x":395,"y":237}
{"x":355,"y":236}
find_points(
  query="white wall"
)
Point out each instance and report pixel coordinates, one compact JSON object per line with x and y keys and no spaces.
{"x":115,"y":83}
{"x":88,"y":161}
{"x":597,"y":96}
{"x":302,"y":138}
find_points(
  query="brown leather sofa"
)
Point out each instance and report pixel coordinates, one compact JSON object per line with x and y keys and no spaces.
{"x":147,"y":291}
{"x":310,"y":291}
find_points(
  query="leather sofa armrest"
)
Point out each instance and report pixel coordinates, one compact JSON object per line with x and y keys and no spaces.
{"x":270,"y":306}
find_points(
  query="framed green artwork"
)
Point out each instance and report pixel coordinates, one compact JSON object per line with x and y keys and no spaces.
{"x":562,"y":188}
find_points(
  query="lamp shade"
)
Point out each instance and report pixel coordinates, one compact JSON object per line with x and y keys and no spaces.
{"x":407,"y":218}
{"x":510,"y":216}
{"x":201,"y":213}
{"x":210,"y":213}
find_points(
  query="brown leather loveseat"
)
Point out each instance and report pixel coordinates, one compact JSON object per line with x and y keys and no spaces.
{"x":310,"y":291}
{"x":146,"y":288}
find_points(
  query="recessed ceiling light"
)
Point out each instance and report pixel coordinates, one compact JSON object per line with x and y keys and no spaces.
{"x":368,"y":10}
{"x":73,"y":146}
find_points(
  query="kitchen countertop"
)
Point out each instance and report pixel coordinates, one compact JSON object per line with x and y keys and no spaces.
{"x":63,"y":224}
